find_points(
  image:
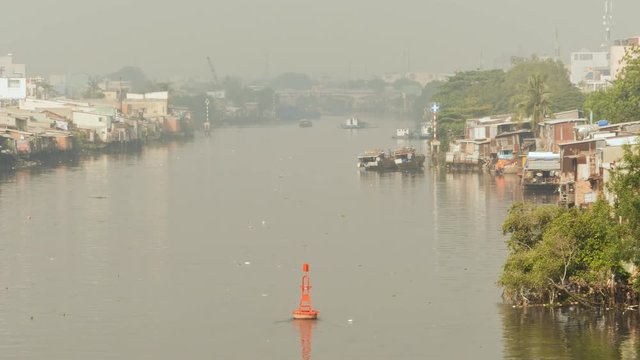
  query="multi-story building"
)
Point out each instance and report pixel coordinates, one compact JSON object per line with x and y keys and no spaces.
{"x":590,"y":70}
{"x":618,"y":51}
{"x":13,"y":79}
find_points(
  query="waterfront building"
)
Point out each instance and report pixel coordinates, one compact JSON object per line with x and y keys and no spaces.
{"x":148,"y":104}
{"x":13,"y":80}
{"x":557,"y":131}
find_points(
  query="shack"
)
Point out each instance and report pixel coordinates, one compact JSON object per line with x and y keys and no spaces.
{"x":541,"y":170}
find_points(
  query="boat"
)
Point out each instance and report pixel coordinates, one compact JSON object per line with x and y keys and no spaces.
{"x":403,"y":159}
{"x":375,"y":160}
{"x":541,"y":171}
{"x":406,"y":159}
{"x":305,"y":123}
{"x":354,"y":123}
{"x":404,"y":134}
{"x":425,"y":131}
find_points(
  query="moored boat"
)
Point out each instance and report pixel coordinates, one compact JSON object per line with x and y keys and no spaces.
{"x":353,"y":123}
{"x":404,"y":134}
{"x":425,"y":131}
{"x":305,"y":123}
{"x":375,"y":160}
{"x":406,"y":159}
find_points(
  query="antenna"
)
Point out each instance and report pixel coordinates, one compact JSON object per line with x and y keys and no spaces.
{"x":606,"y":23}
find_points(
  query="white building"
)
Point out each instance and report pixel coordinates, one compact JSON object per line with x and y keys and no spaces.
{"x":590,"y":69}
{"x":13,"y":79}
{"x":99,"y":124}
{"x":618,"y":50}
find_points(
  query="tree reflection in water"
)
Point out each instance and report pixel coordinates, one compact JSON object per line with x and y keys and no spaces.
{"x":570,"y":333}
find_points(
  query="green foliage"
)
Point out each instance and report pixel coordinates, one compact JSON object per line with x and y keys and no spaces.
{"x":527,"y":222}
{"x":621,"y":102}
{"x":562,"y":94}
{"x":625,"y":184}
{"x":560,"y":254}
{"x":533,"y":101}
{"x":470,"y":94}
{"x":422,"y":103}
{"x":532,"y":86}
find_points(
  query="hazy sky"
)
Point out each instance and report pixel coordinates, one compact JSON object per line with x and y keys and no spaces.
{"x":169,"y":38}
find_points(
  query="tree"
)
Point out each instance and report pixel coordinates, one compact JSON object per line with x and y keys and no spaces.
{"x":93,"y":90}
{"x":563,"y":95}
{"x":620,"y":102}
{"x":560,"y":254}
{"x":624,"y":183}
{"x":534,"y":101}
{"x":527,"y":222}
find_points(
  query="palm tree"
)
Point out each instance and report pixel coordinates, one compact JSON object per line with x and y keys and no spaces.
{"x":535,"y":102}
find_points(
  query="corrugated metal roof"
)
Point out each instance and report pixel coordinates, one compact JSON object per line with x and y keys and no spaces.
{"x":560,"y":121}
{"x":620,"y":124}
{"x":521,"y":131}
{"x":580,"y":142}
{"x":540,"y":155}
{"x":619,"y":141}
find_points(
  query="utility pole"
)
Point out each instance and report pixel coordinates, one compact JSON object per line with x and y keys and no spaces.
{"x":207,"y":124}
{"x":435,"y":144}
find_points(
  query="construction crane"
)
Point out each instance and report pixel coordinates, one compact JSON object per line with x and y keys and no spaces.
{"x":216,"y":82}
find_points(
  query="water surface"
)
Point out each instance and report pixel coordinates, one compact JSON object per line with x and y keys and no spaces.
{"x":194,"y":251}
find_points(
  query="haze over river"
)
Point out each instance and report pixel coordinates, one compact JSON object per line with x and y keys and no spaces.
{"x":194,"y":251}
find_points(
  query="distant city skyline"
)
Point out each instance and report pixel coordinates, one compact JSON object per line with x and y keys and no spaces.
{"x":337,"y":38}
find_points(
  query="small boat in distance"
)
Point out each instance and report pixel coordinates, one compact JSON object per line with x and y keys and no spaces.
{"x":305,"y":123}
{"x":425,"y":131}
{"x":354,"y":123}
{"x":404,"y":134}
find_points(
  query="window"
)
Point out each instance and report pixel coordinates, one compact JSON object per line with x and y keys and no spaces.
{"x":586,"y":56}
{"x":14,"y":83}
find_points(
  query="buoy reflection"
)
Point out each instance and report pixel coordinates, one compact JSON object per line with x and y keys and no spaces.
{"x":305,"y":328}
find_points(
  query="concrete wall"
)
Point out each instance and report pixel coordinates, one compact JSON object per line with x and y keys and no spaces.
{"x":95,"y":122}
{"x":148,"y":107}
{"x":617,"y":54}
{"x":13,"y":88}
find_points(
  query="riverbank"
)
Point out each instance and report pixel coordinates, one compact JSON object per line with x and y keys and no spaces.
{"x":12,"y":162}
{"x":588,"y":255}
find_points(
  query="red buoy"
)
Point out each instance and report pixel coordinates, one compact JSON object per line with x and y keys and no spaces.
{"x":304,"y":310}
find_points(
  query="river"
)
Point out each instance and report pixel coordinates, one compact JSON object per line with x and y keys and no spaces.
{"x":194,"y":251}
